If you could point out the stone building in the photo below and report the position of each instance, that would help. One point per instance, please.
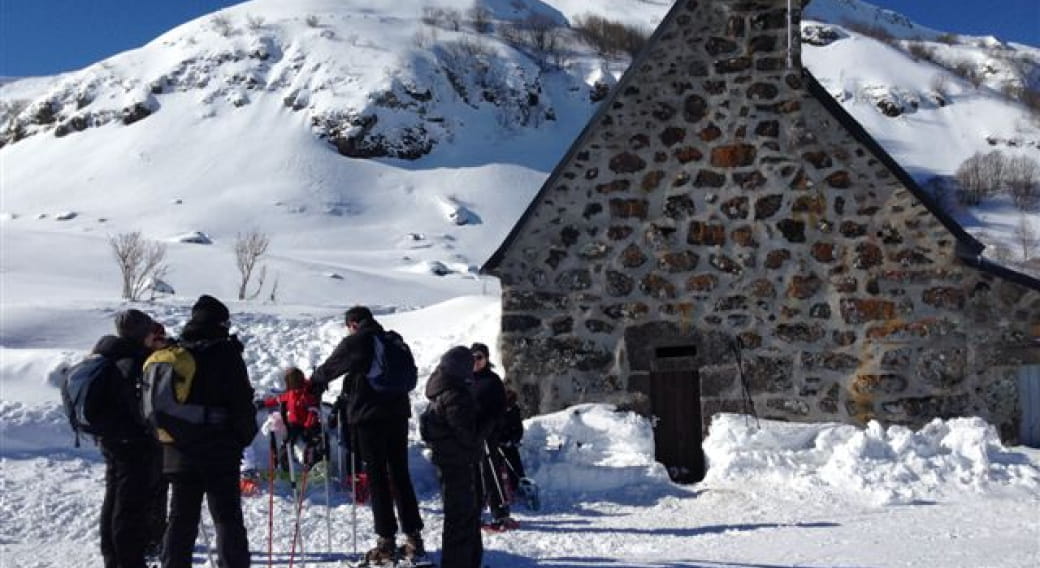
(724, 233)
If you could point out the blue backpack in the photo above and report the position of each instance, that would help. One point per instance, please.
(393, 368)
(86, 394)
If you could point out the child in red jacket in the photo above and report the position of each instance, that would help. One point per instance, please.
(302, 415)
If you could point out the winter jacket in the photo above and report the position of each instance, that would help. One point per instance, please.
(511, 430)
(353, 358)
(449, 423)
(221, 382)
(302, 407)
(491, 403)
(129, 357)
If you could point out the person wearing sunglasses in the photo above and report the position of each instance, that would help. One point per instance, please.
(491, 407)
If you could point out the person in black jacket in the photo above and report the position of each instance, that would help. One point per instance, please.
(208, 465)
(449, 427)
(129, 451)
(491, 407)
(379, 422)
(510, 434)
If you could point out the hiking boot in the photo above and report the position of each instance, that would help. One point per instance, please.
(382, 554)
(413, 550)
(502, 524)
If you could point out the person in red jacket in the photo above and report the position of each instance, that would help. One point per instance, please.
(302, 414)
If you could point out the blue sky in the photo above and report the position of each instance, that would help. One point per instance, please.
(43, 37)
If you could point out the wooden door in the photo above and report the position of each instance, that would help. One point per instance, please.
(676, 406)
(1029, 402)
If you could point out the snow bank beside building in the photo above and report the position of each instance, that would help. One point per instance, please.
(885, 466)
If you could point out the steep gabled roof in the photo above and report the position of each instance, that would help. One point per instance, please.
(968, 248)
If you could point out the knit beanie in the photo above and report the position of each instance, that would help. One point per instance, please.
(457, 362)
(209, 310)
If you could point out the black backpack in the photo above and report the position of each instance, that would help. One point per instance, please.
(393, 368)
(86, 394)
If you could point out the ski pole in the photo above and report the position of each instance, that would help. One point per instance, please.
(270, 500)
(494, 474)
(299, 510)
(353, 492)
(328, 473)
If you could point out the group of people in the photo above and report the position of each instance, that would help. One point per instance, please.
(139, 470)
(469, 425)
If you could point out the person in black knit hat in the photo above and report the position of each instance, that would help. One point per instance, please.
(491, 407)
(208, 465)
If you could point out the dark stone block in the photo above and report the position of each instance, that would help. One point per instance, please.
(943, 369)
(763, 43)
(943, 297)
(804, 286)
(852, 229)
(613, 186)
(577, 279)
(561, 325)
(679, 207)
(657, 286)
(868, 255)
(664, 112)
(823, 252)
(749, 180)
(598, 326)
(769, 374)
(673, 135)
(618, 232)
(708, 178)
(799, 332)
(591, 210)
(702, 283)
(687, 154)
(843, 338)
(629, 311)
(569, 235)
(714, 87)
(733, 156)
(735, 208)
(792, 230)
(871, 385)
(555, 257)
(856, 310)
(652, 180)
(818, 159)
(831, 361)
(776, 258)
(701, 233)
(725, 264)
(730, 303)
(673, 262)
(732, 65)
(619, 284)
(910, 257)
(695, 108)
(767, 206)
(709, 133)
(628, 208)
(762, 91)
(744, 236)
(814, 204)
(840, 180)
(626, 163)
(768, 129)
(820, 311)
(512, 323)
(717, 45)
(632, 256)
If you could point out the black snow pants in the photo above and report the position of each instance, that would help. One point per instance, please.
(223, 494)
(461, 545)
(129, 476)
(383, 446)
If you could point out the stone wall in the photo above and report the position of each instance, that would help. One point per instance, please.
(715, 199)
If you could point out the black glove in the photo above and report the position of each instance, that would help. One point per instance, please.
(259, 404)
(318, 389)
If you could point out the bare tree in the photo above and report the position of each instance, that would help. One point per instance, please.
(973, 182)
(1026, 238)
(481, 18)
(248, 250)
(1022, 178)
(140, 261)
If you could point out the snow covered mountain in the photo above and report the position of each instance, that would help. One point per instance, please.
(408, 135)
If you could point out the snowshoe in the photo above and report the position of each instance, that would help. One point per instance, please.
(527, 491)
(412, 554)
(501, 525)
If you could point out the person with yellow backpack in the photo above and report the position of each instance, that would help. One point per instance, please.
(197, 397)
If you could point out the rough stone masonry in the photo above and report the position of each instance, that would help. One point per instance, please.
(721, 195)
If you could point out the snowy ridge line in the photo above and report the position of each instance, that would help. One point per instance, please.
(886, 466)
